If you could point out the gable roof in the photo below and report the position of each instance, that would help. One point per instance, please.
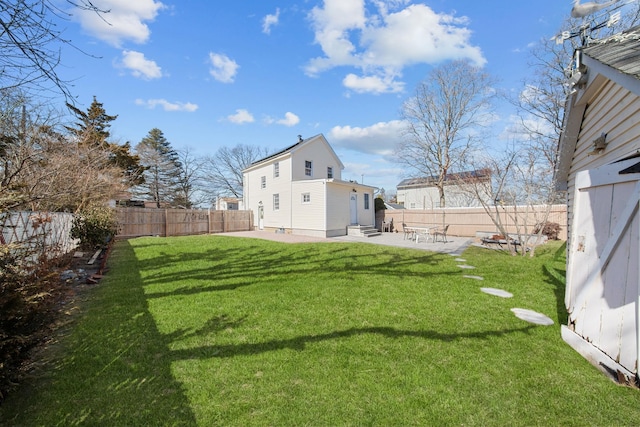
(430, 181)
(620, 51)
(615, 58)
(295, 147)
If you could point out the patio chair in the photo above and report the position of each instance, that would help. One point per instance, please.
(407, 231)
(442, 232)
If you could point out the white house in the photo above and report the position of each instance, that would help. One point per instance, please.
(300, 190)
(422, 193)
(599, 167)
(229, 204)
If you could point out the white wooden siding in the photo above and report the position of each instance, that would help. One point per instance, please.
(622, 129)
(321, 156)
(308, 216)
(602, 273)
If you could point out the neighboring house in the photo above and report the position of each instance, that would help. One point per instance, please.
(393, 206)
(422, 193)
(300, 190)
(599, 167)
(229, 204)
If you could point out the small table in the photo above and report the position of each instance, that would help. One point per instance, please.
(422, 231)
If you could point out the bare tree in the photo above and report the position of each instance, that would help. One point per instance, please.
(444, 119)
(222, 172)
(30, 40)
(541, 104)
(190, 189)
(41, 169)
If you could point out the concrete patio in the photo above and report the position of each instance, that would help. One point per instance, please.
(454, 244)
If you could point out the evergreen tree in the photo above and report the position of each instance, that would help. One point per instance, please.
(92, 130)
(162, 169)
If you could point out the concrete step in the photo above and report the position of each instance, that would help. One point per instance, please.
(362, 231)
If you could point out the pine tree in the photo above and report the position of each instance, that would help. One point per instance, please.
(162, 169)
(92, 130)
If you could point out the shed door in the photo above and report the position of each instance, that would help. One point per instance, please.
(602, 273)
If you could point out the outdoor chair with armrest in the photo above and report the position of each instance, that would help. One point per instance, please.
(407, 231)
(442, 231)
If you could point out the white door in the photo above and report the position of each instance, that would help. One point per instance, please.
(354, 209)
(260, 216)
(602, 274)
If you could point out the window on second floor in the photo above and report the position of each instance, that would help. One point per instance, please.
(263, 182)
(276, 202)
(276, 169)
(308, 168)
(329, 172)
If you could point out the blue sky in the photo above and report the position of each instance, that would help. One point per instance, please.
(212, 73)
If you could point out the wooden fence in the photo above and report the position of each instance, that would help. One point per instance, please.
(136, 222)
(469, 221)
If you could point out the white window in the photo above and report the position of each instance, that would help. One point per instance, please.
(308, 168)
(276, 169)
(366, 200)
(263, 182)
(329, 172)
(306, 197)
(276, 202)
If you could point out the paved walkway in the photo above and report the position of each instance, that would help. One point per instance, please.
(455, 244)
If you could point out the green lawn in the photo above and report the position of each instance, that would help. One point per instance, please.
(216, 330)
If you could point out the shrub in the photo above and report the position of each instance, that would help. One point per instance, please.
(379, 204)
(94, 226)
(28, 295)
(549, 229)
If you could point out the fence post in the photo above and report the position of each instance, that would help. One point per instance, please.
(166, 223)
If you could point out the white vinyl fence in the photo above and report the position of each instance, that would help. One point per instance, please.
(46, 233)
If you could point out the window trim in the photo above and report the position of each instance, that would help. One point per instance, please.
(329, 172)
(308, 197)
(309, 168)
(263, 182)
(276, 201)
(276, 170)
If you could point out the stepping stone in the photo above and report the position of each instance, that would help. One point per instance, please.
(460, 260)
(532, 316)
(468, 267)
(497, 292)
(473, 277)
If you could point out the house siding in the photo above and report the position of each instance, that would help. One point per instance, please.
(254, 193)
(321, 156)
(310, 216)
(337, 218)
(615, 111)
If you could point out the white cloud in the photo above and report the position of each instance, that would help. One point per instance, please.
(380, 138)
(140, 66)
(382, 41)
(372, 84)
(241, 116)
(289, 120)
(166, 105)
(223, 68)
(126, 20)
(269, 21)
